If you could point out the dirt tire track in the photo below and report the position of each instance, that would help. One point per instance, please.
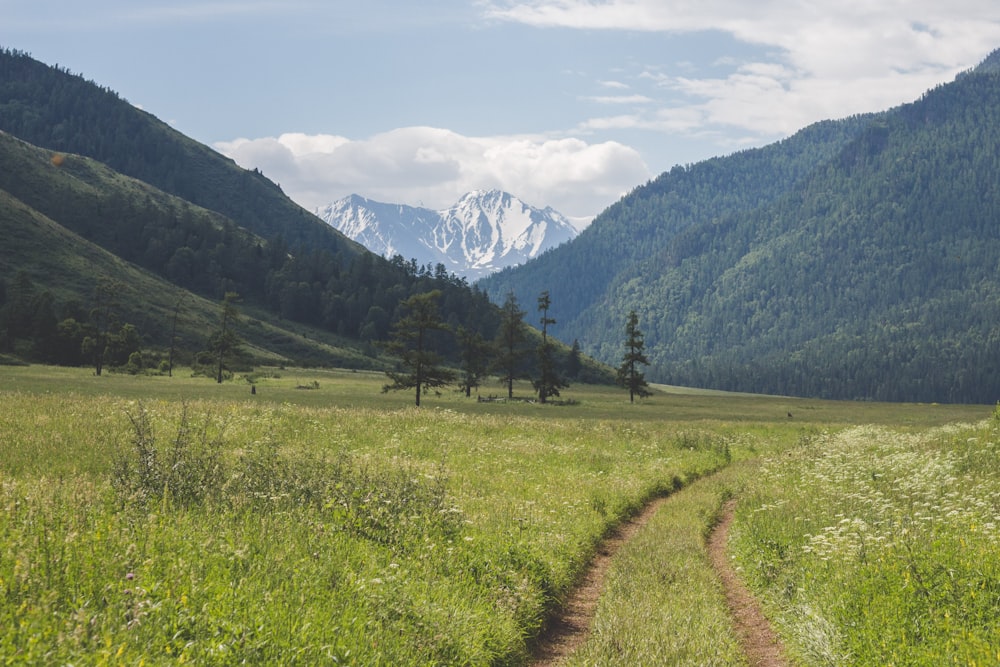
(569, 629)
(760, 643)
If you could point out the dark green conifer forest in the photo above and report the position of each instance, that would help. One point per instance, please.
(856, 259)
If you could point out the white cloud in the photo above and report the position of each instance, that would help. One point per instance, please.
(432, 167)
(823, 59)
(619, 99)
(811, 61)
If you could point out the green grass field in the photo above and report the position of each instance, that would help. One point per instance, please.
(156, 520)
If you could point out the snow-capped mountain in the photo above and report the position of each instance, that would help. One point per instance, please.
(483, 232)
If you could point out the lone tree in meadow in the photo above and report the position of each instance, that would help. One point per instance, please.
(629, 375)
(548, 383)
(173, 334)
(475, 355)
(511, 337)
(103, 319)
(224, 342)
(419, 366)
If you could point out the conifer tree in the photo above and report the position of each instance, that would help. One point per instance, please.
(629, 375)
(103, 317)
(474, 352)
(573, 363)
(510, 343)
(224, 342)
(548, 383)
(419, 366)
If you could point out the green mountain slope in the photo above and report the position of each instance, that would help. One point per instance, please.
(668, 210)
(62, 264)
(184, 214)
(871, 273)
(51, 108)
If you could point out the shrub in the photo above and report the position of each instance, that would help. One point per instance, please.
(189, 472)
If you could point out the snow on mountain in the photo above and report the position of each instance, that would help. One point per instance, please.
(485, 231)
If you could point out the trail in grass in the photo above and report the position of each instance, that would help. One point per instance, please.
(567, 631)
(760, 644)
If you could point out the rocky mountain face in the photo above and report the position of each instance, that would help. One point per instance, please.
(483, 232)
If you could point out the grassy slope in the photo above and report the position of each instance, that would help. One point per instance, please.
(71, 266)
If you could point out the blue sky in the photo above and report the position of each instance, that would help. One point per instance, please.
(564, 103)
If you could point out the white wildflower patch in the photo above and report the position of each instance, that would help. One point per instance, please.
(874, 539)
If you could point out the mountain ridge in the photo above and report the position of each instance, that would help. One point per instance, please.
(856, 259)
(484, 231)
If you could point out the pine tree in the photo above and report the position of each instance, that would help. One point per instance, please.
(420, 367)
(103, 317)
(510, 343)
(224, 342)
(573, 363)
(629, 376)
(474, 353)
(548, 383)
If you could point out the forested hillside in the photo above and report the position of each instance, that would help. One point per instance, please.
(654, 215)
(52, 108)
(857, 259)
(171, 207)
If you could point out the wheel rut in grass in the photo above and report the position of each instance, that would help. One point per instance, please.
(759, 642)
(569, 629)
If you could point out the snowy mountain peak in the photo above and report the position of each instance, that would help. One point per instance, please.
(483, 232)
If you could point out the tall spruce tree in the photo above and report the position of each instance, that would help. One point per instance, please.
(510, 341)
(419, 366)
(103, 317)
(629, 375)
(548, 382)
(474, 352)
(224, 342)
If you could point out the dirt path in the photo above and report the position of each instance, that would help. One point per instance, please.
(567, 631)
(759, 642)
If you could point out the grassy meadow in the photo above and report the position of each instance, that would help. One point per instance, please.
(876, 546)
(157, 520)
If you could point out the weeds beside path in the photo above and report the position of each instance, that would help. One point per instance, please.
(760, 644)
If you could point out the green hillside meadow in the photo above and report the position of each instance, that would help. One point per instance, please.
(159, 520)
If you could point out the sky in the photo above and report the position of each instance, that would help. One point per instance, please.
(563, 103)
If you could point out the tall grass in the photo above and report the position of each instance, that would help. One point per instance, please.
(226, 531)
(876, 546)
(171, 520)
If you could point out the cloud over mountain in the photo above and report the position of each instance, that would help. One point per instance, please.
(435, 166)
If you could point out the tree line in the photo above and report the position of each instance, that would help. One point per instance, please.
(511, 354)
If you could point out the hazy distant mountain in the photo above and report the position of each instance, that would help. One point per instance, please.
(485, 231)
